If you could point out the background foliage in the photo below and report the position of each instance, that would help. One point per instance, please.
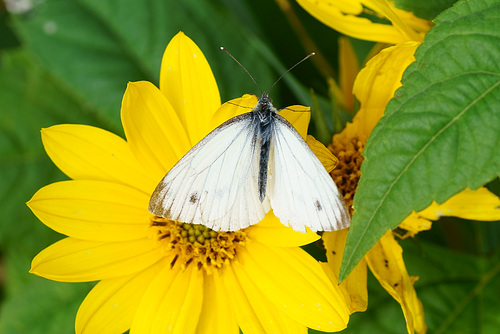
(68, 61)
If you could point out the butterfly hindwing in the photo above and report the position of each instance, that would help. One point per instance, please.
(300, 190)
(215, 183)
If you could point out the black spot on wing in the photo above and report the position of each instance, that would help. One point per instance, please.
(318, 206)
(194, 198)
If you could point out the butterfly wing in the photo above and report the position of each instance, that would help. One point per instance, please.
(301, 191)
(215, 183)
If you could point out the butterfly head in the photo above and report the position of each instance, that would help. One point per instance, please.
(264, 107)
(264, 99)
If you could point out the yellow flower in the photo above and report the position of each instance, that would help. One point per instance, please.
(374, 87)
(158, 275)
(345, 17)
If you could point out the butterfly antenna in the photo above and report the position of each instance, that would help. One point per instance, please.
(243, 67)
(291, 68)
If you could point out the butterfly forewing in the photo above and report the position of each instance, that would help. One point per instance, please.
(300, 190)
(215, 183)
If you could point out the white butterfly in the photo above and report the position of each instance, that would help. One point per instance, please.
(249, 164)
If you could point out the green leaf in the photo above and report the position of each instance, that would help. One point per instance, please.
(8, 39)
(441, 132)
(96, 47)
(77, 46)
(43, 307)
(32, 101)
(425, 9)
(459, 291)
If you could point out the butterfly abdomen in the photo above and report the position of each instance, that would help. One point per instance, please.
(266, 114)
(263, 162)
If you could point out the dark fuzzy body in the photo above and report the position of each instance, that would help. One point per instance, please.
(266, 115)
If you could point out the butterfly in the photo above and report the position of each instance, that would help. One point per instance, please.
(247, 165)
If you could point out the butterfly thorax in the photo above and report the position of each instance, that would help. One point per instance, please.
(266, 113)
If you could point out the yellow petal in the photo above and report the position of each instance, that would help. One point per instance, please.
(413, 224)
(383, 7)
(272, 319)
(354, 287)
(385, 260)
(295, 283)
(342, 16)
(172, 302)
(299, 117)
(480, 204)
(348, 70)
(417, 24)
(111, 305)
(189, 85)
(74, 260)
(271, 232)
(217, 313)
(245, 314)
(93, 210)
(153, 129)
(375, 86)
(87, 153)
(328, 160)
(232, 108)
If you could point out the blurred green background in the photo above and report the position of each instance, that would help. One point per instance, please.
(69, 61)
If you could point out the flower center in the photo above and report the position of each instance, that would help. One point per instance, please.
(197, 244)
(346, 174)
